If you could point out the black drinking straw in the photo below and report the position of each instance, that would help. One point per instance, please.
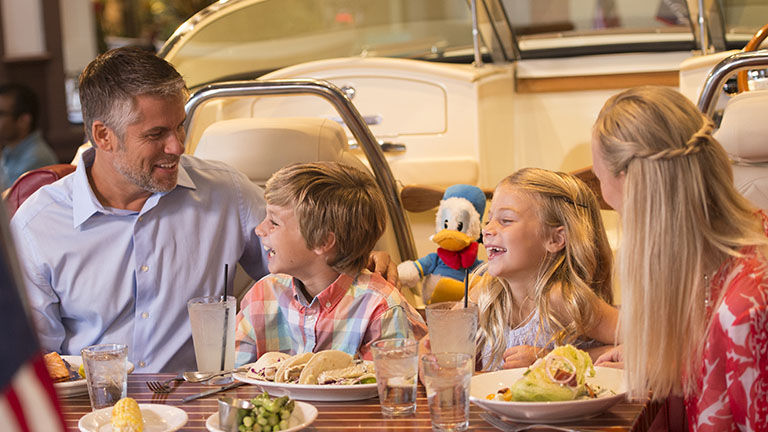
(226, 318)
(466, 287)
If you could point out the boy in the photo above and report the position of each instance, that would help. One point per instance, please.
(322, 222)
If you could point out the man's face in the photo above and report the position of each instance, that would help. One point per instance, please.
(148, 155)
(9, 128)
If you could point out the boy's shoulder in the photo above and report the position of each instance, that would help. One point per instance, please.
(373, 284)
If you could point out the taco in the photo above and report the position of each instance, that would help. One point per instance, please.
(360, 372)
(291, 369)
(323, 361)
(266, 367)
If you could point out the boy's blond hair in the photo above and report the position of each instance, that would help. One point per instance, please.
(582, 269)
(329, 197)
(681, 217)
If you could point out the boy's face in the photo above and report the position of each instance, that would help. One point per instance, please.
(281, 237)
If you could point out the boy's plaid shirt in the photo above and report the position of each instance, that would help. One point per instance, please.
(348, 316)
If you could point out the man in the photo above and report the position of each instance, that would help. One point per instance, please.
(113, 252)
(23, 146)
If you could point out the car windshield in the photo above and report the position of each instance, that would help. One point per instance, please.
(242, 39)
(256, 37)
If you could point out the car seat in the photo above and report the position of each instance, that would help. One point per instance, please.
(743, 133)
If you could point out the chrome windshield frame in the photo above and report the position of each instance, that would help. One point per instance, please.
(352, 119)
(724, 70)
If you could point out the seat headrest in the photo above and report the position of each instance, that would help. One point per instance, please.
(260, 146)
(744, 130)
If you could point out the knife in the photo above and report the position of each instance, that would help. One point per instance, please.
(213, 391)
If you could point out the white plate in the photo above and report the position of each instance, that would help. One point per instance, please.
(313, 392)
(303, 415)
(548, 412)
(75, 388)
(157, 418)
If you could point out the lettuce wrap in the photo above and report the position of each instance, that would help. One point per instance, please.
(559, 376)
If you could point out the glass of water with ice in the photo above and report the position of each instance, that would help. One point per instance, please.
(106, 373)
(452, 327)
(397, 367)
(213, 334)
(447, 377)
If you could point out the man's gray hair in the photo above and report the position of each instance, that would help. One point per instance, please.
(110, 84)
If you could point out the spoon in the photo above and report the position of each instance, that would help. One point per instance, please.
(198, 376)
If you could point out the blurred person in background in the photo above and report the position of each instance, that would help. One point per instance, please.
(22, 143)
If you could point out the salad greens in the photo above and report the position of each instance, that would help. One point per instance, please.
(559, 376)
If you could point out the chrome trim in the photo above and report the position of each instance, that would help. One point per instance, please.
(352, 119)
(475, 35)
(722, 71)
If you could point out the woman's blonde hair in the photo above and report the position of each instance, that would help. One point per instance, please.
(681, 217)
(581, 269)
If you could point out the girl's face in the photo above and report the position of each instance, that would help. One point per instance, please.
(514, 237)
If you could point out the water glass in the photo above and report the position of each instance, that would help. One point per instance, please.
(213, 334)
(452, 327)
(106, 373)
(446, 378)
(397, 367)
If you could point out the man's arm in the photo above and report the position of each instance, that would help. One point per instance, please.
(44, 303)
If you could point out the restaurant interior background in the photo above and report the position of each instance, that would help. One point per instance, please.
(45, 44)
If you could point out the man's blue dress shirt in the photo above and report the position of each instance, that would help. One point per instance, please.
(32, 152)
(102, 275)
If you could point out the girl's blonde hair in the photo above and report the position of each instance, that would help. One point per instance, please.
(681, 217)
(581, 269)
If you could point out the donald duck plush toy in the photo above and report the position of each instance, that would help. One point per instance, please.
(457, 231)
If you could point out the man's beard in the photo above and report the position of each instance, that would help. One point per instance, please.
(140, 178)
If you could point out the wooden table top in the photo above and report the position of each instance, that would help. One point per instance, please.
(343, 416)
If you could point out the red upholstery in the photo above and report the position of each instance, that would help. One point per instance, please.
(31, 181)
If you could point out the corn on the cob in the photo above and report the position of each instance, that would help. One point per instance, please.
(126, 416)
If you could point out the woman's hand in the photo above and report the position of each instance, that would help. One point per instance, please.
(380, 262)
(522, 356)
(613, 358)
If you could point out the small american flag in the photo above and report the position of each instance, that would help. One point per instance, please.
(27, 400)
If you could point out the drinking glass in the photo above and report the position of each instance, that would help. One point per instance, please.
(213, 334)
(446, 378)
(452, 327)
(106, 373)
(397, 367)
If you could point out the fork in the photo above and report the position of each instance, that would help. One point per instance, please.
(163, 387)
(508, 426)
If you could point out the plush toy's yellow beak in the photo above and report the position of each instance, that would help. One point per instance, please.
(451, 240)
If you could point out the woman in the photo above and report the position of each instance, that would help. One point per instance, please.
(692, 264)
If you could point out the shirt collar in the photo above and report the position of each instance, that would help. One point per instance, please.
(84, 201)
(329, 297)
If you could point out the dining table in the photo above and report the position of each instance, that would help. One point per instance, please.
(364, 415)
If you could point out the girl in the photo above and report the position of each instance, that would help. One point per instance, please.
(692, 264)
(548, 276)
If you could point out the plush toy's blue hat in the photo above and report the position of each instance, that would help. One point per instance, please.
(473, 194)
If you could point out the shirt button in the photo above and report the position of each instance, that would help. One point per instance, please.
(327, 304)
(141, 218)
(142, 364)
(145, 315)
(144, 268)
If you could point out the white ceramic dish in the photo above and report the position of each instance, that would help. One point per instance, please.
(303, 415)
(313, 392)
(546, 412)
(157, 418)
(75, 388)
